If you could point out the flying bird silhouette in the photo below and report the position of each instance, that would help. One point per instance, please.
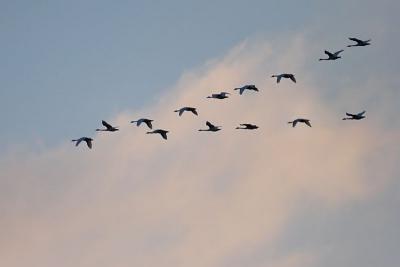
(247, 126)
(284, 75)
(108, 128)
(190, 109)
(358, 116)
(221, 95)
(211, 127)
(144, 120)
(88, 141)
(163, 133)
(359, 42)
(306, 121)
(246, 87)
(332, 56)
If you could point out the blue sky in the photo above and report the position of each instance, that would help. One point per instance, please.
(68, 64)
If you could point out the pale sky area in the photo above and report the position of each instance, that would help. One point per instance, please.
(324, 196)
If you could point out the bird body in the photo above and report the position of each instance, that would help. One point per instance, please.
(211, 128)
(358, 116)
(246, 87)
(108, 128)
(190, 109)
(163, 133)
(144, 120)
(359, 42)
(247, 126)
(221, 95)
(88, 141)
(332, 56)
(284, 75)
(306, 121)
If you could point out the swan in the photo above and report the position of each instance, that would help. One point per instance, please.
(181, 110)
(144, 120)
(108, 128)
(284, 75)
(163, 133)
(211, 127)
(332, 56)
(359, 42)
(88, 141)
(306, 121)
(221, 95)
(358, 116)
(246, 87)
(247, 126)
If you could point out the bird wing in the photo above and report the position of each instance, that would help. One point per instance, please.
(89, 143)
(294, 123)
(241, 90)
(361, 113)
(338, 52)
(355, 40)
(148, 123)
(328, 53)
(181, 111)
(308, 123)
(278, 78)
(292, 78)
(164, 134)
(108, 126)
(209, 124)
(349, 114)
(194, 111)
(78, 141)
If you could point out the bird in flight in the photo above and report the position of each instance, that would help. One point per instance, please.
(332, 56)
(221, 95)
(306, 121)
(246, 87)
(359, 42)
(163, 133)
(144, 120)
(88, 141)
(190, 109)
(358, 116)
(284, 75)
(211, 128)
(108, 128)
(247, 126)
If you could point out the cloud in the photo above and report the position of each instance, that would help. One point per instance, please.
(200, 199)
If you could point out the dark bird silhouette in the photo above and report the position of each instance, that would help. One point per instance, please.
(359, 42)
(247, 126)
(284, 75)
(306, 121)
(246, 87)
(332, 56)
(143, 120)
(181, 110)
(88, 141)
(358, 116)
(211, 128)
(221, 95)
(108, 128)
(163, 133)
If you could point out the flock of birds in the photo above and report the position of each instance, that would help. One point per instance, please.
(223, 95)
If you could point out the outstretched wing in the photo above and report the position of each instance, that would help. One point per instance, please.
(209, 124)
(292, 78)
(361, 113)
(78, 141)
(194, 111)
(338, 52)
(108, 126)
(355, 40)
(349, 114)
(148, 123)
(241, 90)
(308, 123)
(89, 143)
(278, 78)
(181, 111)
(163, 134)
(328, 53)
(294, 123)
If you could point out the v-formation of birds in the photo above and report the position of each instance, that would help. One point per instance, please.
(222, 95)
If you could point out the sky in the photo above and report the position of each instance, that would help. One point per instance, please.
(321, 196)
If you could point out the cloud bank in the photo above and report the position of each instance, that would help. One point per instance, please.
(204, 199)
